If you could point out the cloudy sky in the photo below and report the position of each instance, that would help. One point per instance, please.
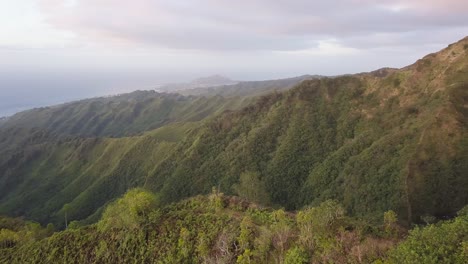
(57, 50)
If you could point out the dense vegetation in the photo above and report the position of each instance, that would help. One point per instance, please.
(122, 115)
(222, 229)
(394, 139)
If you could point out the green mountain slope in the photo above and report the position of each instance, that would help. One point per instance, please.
(86, 171)
(40, 179)
(139, 111)
(390, 139)
(252, 88)
(123, 115)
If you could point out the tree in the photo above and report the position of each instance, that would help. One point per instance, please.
(74, 225)
(246, 235)
(66, 209)
(130, 211)
(8, 238)
(50, 229)
(444, 242)
(282, 230)
(318, 222)
(216, 199)
(390, 219)
(252, 188)
(296, 255)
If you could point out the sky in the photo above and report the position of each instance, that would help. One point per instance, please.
(53, 51)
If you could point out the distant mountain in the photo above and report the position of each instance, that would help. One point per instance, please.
(390, 139)
(210, 81)
(249, 88)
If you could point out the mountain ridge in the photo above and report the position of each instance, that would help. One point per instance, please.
(202, 82)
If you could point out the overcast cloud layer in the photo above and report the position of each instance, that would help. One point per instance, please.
(257, 24)
(68, 49)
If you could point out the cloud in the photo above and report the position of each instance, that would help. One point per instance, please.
(324, 48)
(67, 49)
(23, 26)
(250, 25)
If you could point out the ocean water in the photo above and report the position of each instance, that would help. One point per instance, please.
(27, 91)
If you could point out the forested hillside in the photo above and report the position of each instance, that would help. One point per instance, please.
(122, 115)
(390, 139)
(393, 139)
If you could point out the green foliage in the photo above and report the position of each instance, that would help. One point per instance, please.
(463, 211)
(129, 212)
(15, 232)
(84, 173)
(245, 258)
(444, 242)
(282, 231)
(429, 219)
(296, 255)
(252, 188)
(203, 246)
(390, 219)
(246, 235)
(316, 223)
(183, 245)
(74, 225)
(50, 228)
(193, 231)
(8, 238)
(216, 199)
(122, 115)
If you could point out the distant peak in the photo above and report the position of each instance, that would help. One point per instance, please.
(203, 82)
(212, 79)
